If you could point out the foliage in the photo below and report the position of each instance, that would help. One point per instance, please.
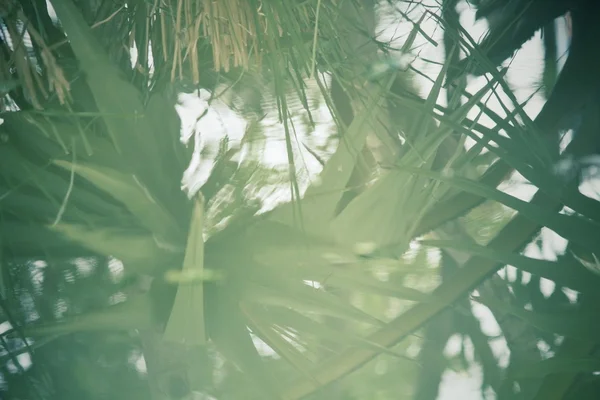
(274, 282)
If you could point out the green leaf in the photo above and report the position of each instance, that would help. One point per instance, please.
(57, 137)
(8, 85)
(552, 366)
(577, 279)
(270, 334)
(518, 230)
(186, 322)
(367, 284)
(134, 195)
(383, 214)
(137, 250)
(556, 385)
(295, 294)
(572, 227)
(137, 136)
(303, 324)
(227, 328)
(276, 245)
(578, 324)
(322, 196)
(134, 313)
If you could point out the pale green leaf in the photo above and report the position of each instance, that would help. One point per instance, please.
(186, 322)
(134, 195)
(134, 313)
(137, 250)
(322, 196)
